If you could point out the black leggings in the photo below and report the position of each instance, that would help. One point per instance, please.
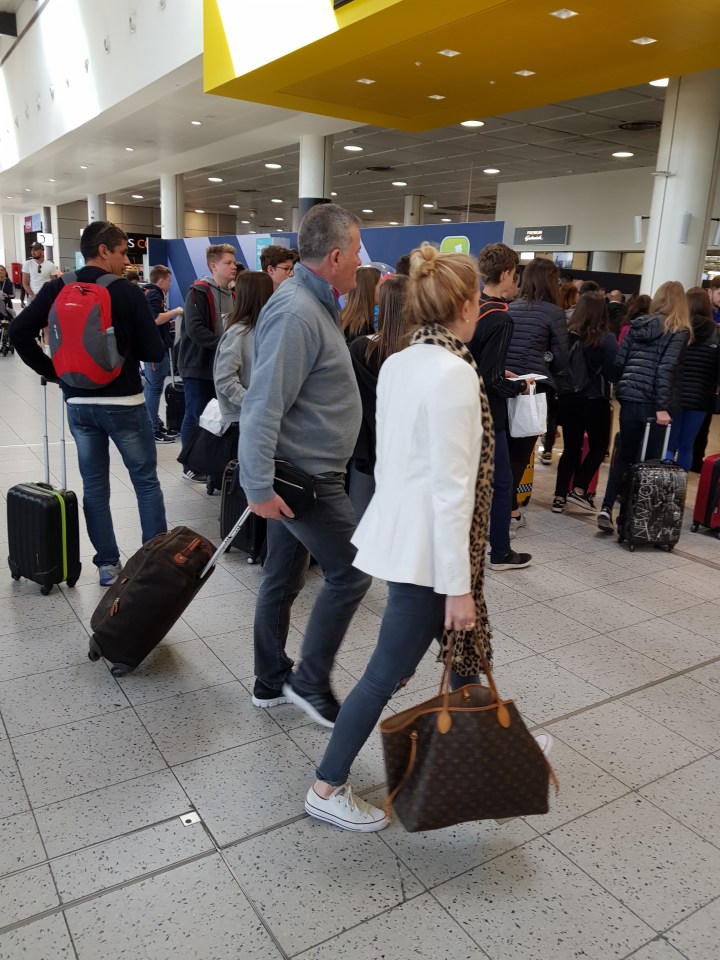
(579, 416)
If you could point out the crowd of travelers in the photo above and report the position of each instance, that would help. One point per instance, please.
(396, 405)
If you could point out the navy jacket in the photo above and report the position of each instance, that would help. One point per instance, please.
(646, 366)
(539, 328)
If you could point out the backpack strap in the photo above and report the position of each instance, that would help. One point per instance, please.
(107, 279)
(207, 289)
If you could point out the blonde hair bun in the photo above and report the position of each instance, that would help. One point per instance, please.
(423, 261)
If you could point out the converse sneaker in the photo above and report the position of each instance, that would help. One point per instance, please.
(605, 521)
(513, 561)
(264, 696)
(323, 708)
(584, 500)
(109, 572)
(343, 809)
(194, 477)
(517, 523)
(558, 504)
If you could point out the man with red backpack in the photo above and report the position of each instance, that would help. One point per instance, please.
(100, 329)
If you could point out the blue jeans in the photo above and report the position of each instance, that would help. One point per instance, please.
(93, 425)
(685, 428)
(198, 393)
(413, 618)
(324, 531)
(361, 490)
(502, 500)
(155, 374)
(633, 420)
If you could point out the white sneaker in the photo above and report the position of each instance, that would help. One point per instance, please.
(343, 809)
(544, 741)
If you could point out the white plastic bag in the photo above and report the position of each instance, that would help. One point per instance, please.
(211, 419)
(527, 414)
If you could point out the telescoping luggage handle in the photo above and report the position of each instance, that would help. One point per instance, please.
(46, 439)
(648, 425)
(227, 542)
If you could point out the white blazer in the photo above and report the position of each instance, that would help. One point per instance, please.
(416, 528)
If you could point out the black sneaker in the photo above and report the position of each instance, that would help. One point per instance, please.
(604, 520)
(194, 477)
(513, 561)
(584, 500)
(161, 436)
(323, 708)
(558, 504)
(264, 696)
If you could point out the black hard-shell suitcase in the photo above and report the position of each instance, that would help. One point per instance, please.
(43, 523)
(156, 586)
(174, 400)
(252, 537)
(653, 500)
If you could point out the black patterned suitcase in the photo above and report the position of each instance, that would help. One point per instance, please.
(44, 523)
(252, 537)
(653, 500)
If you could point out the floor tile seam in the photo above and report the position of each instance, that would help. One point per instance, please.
(97, 894)
(39, 673)
(692, 913)
(628, 792)
(682, 736)
(183, 693)
(49, 861)
(66, 723)
(219, 753)
(70, 936)
(662, 810)
(106, 786)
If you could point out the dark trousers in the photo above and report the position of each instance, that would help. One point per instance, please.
(578, 416)
(502, 500)
(552, 421)
(520, 450)
(198, 394)
(633, 421)
(324, 531)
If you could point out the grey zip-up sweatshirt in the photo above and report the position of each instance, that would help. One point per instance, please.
(231, 370)
(303, 404)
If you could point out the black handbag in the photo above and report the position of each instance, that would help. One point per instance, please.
(296, 487)
(463, 756)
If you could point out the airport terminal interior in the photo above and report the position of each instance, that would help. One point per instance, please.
(160, 815)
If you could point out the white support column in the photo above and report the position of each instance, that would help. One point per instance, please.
(413, 215)
(172, 206)
(96, 207)
(687, 173)
(315, 171)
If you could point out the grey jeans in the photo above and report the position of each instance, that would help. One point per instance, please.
(324, 532)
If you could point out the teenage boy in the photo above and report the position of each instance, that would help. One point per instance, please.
(155, 373)
(278, 263)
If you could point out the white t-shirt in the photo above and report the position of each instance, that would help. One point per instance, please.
(39, 277)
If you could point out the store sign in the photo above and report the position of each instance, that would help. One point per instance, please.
(137, 245)
(535, 235)
(33, 224)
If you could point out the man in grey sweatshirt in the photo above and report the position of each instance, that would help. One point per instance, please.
(303, 406)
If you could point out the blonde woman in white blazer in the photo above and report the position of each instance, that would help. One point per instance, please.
(416, 531)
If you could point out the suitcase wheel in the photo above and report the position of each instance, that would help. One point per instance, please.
(252, 560)
(695, 527)
(120, 669)
(15, 576)
(46, 589)
(71, 583)
(210, 486)
(632, 548)
(93, 655)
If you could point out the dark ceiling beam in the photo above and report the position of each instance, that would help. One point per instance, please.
(8, 24)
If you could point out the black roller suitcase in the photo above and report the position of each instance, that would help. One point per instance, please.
(252, 537)
(43, 523)
(156, 586)
(174, 401)
(653, 500)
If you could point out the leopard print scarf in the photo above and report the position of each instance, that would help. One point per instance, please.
(465, 643)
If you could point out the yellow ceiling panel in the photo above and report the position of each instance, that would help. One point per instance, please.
(396, 44)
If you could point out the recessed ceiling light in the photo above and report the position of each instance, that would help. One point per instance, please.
(365, 80)
(351, 148)
(234, 206)
(273, 166)
(436, 96)
(199, 211)
(643, 41)
(215, 179)
(428, 206)
(491, 170)
(564, 14)
(449, 53)
(8, 198)
(399, 183)
(662, 82)
(244, 221)
(368, 211)
(130, 149)
(622, 154)
(279, 219)
(196, 123)
(276, 200)
(394, 223)
(137, 196)
(524, 73)
(28, 190)
(83, 166)
(252, 231)
(333, 193)
(110, 202)
(445, 220)
(472, 123)
(50, 180)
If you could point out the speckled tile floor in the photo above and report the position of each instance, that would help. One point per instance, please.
(617, 655)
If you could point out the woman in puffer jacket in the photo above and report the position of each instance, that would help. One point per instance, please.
(645, 370)
(539, 331)
(697, 380)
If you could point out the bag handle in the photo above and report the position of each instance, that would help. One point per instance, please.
(444, 721)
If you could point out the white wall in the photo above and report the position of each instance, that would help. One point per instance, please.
(599, 207)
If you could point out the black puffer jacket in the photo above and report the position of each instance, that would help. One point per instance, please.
(539, 327)
(646, 366)
(699, 372)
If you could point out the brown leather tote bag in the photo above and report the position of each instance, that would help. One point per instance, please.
(465, 755)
